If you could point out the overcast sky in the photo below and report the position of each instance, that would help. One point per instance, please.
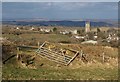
(60, 10)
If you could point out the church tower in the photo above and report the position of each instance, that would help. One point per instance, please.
(87, 27)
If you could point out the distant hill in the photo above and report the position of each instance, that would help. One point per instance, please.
(60, 23)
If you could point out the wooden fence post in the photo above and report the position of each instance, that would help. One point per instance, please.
(17, 53)
(38, 44)
(103, 57)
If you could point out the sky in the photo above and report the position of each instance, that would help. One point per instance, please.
(59, 10)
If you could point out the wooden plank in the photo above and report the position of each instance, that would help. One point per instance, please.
(4, 61)
(17, 52)
(72, 50)
(73, 58)
(41, 46)
(32, 47)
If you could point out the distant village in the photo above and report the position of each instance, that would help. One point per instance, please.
(87, 34)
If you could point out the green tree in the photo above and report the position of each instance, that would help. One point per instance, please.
(98, 30)
(91, 35)
(101, 35)
(38, 29)
(78, 31)
(54, 29)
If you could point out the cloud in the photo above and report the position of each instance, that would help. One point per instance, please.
(72, 5)
(60, 10)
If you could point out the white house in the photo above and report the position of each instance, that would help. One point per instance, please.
(45, 30)
(41, 29)
(89, 42)
(112, 37)
(79, 37)
(95, 37)
(17, 28)
(74, 32)
(64, 32)
(32, 28)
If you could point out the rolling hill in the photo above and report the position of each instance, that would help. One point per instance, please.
(61, 23)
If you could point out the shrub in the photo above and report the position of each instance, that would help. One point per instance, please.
(64, 42)
(54, 29)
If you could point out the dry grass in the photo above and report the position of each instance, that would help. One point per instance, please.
(43, 69)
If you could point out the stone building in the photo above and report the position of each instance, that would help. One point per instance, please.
(87, 27)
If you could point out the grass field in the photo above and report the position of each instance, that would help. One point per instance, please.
(26, 38)
(77, 70)
(11, 72)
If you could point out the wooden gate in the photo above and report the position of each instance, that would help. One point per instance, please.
(55, 56)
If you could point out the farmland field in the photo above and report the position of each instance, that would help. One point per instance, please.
(44, 69)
